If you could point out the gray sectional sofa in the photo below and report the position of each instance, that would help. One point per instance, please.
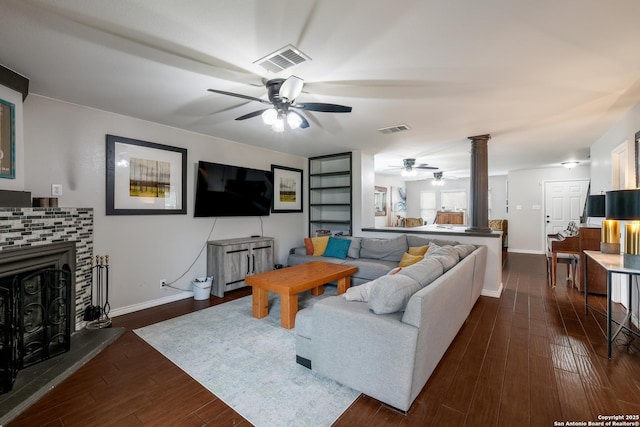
(374, 257)
(386, 336)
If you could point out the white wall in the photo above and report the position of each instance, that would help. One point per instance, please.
(497, 185)
(65, 144)
(526, 190)
(623, 132)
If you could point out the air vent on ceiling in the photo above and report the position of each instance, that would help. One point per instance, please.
(282, 59)
(393, 129)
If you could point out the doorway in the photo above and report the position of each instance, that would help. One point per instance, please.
(564, 202)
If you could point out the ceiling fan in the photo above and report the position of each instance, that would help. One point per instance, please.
(409, 167)
(282, 95)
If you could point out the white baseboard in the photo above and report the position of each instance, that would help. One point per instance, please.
(148, 304)
(492, 294)
(526, 251)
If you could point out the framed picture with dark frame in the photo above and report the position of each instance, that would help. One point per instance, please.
(7, 140)
(145, 178)
(287, 189)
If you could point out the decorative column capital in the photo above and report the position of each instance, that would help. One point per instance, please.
(485, 137)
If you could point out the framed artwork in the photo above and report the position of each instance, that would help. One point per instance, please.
(7, 140)
(287, 189)
(145, 178)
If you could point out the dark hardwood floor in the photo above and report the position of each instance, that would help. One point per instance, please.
(531, 357)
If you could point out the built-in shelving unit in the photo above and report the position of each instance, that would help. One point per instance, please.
(330, 195)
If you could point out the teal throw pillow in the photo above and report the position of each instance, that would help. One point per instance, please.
(337, 248)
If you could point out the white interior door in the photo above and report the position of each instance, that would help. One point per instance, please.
(564, 202)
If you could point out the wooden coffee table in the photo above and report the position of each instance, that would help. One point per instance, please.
(290, 281)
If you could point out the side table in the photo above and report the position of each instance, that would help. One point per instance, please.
(612, 263)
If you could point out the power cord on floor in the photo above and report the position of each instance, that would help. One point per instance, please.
(169, 283)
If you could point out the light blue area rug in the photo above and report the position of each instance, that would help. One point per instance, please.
(251, 363)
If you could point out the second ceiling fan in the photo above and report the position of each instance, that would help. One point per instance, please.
(282, 95)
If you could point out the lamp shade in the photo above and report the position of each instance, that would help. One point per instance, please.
(623, 204)
(595, 206)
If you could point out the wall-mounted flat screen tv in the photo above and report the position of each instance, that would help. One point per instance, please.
(224, 190)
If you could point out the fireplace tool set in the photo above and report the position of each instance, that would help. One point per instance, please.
(98, 315)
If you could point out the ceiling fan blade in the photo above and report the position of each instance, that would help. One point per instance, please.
(321, 107)
(238, 95)
(425, 167)
(251, 115)
(291, 88)
(304, 124)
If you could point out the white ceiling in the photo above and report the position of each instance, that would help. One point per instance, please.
(545, 78)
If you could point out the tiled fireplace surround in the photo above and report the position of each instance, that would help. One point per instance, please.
(23, 227)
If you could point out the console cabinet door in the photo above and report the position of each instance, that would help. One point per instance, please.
(262, 257)
(235, 264)
(230, 261)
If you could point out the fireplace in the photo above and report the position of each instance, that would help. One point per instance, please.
(37, 306)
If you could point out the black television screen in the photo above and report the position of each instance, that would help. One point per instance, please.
(224, 190)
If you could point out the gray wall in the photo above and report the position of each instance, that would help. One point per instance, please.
(65, 144)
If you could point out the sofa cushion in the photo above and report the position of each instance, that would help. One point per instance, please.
(408, 259)
(425, 271)
(319, 245)
(354, 247)
(384, 249)
(337, 248)
(415, 240)
(390, 294)
(464, 250)
(418, 250)
(359, 293)
(447, 256)
(370, 269)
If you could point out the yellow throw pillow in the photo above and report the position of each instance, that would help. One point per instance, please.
(408, 259)
(418, 250)
(319, 245)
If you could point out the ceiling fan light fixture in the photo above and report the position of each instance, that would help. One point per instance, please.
(269, 116)
(293, 120)
(438, 179)
(278, 124)
(408, 172)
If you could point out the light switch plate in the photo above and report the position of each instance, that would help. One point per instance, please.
(56, 189)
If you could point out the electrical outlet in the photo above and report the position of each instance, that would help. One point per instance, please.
(163, 283)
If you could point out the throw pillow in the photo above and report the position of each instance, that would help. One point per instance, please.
(354, 248)
(359, 293)
(319, 245)
(408, 259)
(337, 248)
(425, 271)
(395, 270)
(308, 245)
(390, 294)
(418, 250)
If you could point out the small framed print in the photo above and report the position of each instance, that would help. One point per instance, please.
(287, 189)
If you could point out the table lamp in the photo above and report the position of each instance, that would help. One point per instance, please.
(610, 234)
(625, 205)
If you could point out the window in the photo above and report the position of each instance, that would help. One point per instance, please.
(428, 206)
(454, 200)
